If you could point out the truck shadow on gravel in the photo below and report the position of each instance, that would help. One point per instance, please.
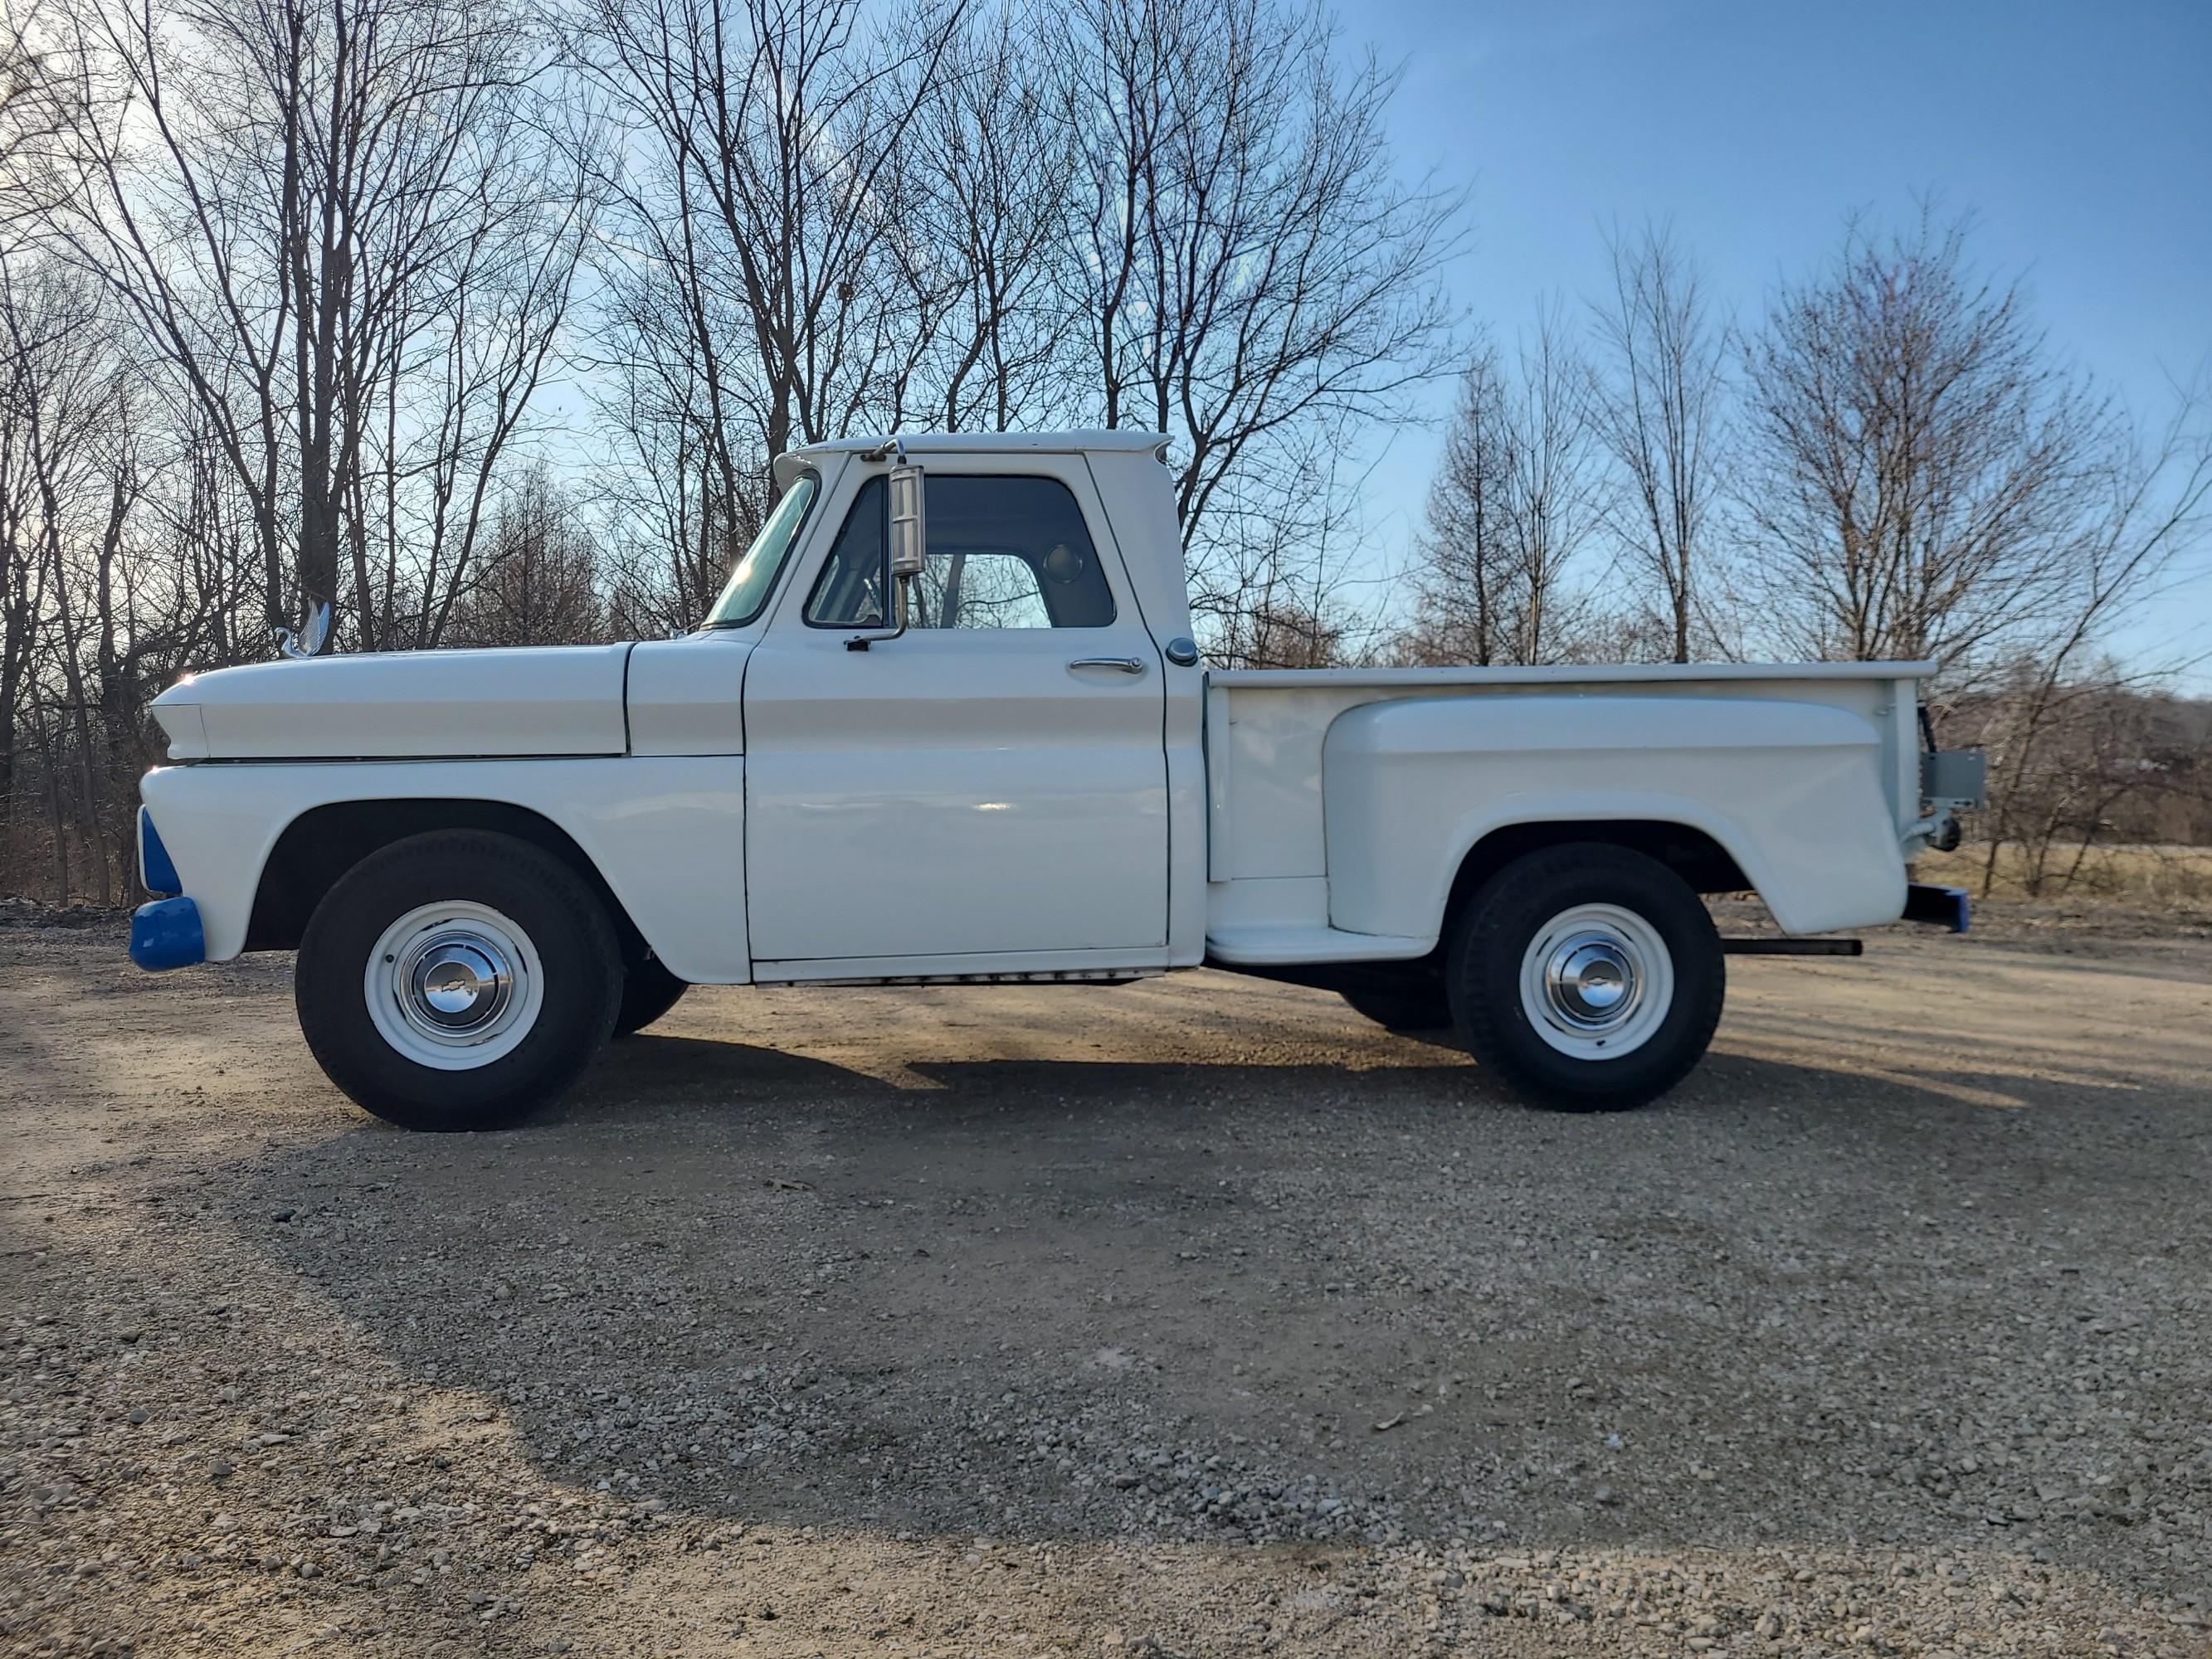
(1240, 1302)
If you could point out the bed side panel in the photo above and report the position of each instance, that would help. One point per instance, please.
(1795, 791)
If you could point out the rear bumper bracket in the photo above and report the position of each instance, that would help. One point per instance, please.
(1942, 907)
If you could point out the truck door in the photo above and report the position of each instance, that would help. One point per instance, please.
(987, 792)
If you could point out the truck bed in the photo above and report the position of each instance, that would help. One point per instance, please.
(1286, 866)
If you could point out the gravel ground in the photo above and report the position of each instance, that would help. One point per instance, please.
(1188, 1318)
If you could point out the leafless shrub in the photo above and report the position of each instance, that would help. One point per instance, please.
(538, 582)
(2108, 794)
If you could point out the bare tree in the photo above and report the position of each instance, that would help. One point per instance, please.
(1659, 408)
(20, 76)
(30, 115)
(1281, 595)
(455, 395)
(28, 342)
(1183, 217)
(672, 529)
(101, 599)
(297, 203)
(984, 183)
(61, 514)
(1253, 278)
(1919, 463)
(2068, 733)
(1927, 482)
(760, 143)
(1513, 511)
(1464, 589)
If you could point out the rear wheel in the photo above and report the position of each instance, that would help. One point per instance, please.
(457, 980)
(1587, 977)
(649, 991)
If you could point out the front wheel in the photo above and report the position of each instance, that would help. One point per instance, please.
(1587, 977)
(457, 980)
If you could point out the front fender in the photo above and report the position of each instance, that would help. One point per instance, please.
(667, 835)
(1792, 791)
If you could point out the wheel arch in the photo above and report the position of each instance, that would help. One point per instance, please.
(1703, 861)
(321, 843)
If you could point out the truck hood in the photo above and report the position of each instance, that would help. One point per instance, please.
(564, 699)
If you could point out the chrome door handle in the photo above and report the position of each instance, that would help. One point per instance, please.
(1127, 665)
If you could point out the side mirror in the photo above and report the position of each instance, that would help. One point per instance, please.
(909, 528)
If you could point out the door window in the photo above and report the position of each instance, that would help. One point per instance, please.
(1004, 553)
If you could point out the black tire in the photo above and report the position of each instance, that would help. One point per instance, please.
(649, 991)
(1502, 925)
(561, 919)
(1412, 1008)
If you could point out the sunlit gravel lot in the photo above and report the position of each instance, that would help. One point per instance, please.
(1194, 1317)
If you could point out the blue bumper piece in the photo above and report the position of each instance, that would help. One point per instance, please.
(166, 933)
(1947, 907)
(155, 868)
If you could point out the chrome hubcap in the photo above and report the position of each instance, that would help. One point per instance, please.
(454, 986)
(1596, 981)
(1591, 980)
(456, 983)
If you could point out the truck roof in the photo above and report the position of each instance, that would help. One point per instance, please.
(959, 443)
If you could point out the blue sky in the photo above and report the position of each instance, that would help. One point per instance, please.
(2079, 136)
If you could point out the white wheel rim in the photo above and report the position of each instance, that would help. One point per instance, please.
(454, 986)
(1596, 981)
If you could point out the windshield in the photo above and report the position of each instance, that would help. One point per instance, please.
(753, 580)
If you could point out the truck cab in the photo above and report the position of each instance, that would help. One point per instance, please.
(947, 723)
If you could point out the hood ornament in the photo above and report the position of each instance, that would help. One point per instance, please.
(310, 642)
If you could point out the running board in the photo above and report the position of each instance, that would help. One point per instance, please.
(1793, 947)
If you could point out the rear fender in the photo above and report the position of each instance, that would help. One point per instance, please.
(1791, 791)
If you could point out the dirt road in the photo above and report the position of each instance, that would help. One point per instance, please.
(1191, 1317)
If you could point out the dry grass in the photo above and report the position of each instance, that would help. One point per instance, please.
(2148, 875)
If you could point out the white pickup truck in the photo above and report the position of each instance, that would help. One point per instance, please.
(946, 724)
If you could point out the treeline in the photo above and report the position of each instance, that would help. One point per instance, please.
(480, 319)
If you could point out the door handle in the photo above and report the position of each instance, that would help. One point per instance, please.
(1126, 665)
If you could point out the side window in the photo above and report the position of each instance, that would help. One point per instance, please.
(1004, 552)
(849, 592)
